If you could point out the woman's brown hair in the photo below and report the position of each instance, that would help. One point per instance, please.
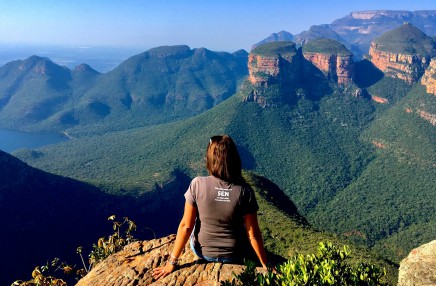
(222, 159)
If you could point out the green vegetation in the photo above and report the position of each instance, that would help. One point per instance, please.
(158, 86)
(352, 166)
(326, 46)
(286, 234)
(396, 188)
(44, 275)
(320, 153)
(112, 244)
(274, 49)
(407, 39)
(329, 266)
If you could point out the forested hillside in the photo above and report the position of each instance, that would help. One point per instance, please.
(351, 144)
(56, 215)
(160, 85)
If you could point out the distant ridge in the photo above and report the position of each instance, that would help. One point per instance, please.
(275, 37)
(158, 86)
(359, 28)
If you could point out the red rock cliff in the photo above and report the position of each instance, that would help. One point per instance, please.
(429, 77)
(403, 53)
(403, 66)
(273, 64)
(334, 66)
(264, 69)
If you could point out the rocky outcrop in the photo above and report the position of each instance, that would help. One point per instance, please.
(273, 64)
(278, 72)
(336, 67)
(134, 266)
(379, 99)
(419, 267)
(403, 53)
(332, 58)
(430, 117)
(406, 67)
(429, 77)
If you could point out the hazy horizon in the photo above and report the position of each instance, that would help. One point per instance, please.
(219, 26)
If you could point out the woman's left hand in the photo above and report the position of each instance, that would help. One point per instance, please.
(163, 271)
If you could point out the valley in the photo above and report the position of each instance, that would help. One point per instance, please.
(350, 143)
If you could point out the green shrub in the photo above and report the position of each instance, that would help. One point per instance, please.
(328, 266)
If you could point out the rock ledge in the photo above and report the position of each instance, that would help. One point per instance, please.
(134, 266)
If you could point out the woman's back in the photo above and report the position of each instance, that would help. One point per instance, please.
(219, 229)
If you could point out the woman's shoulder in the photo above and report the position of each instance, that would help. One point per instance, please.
(200, 180)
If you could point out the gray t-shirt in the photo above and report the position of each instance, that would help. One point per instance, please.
(219, 228)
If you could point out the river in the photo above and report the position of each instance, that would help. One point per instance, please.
(11, 140)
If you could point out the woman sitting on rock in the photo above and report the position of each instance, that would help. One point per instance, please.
(220, 216)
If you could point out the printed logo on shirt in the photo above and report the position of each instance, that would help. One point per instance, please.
(223, 195)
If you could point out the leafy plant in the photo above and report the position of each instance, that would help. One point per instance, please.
(328, 266)
(113, 243)
(43, 275)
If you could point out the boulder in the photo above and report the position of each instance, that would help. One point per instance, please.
(419, 267)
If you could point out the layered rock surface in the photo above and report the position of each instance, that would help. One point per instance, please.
(419, 267)
(332, 58)
(273, 62)
(278, 69)
(134, 266)
(429, 77)
(403, 53)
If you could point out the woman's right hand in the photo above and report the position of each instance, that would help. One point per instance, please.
(163, 271)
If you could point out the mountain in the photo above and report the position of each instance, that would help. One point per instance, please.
(279, 73)
(404, 52)
(275, 37)
(360, 28)
(340, 152)
(157, 86)
(332, 58)
(319, 31)
(357, 30)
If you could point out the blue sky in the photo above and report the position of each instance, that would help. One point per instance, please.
(226, 25)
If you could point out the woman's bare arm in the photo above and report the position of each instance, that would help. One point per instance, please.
(183, 233)
(255, 236)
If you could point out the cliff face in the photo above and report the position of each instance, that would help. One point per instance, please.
(332, 58)
(134, 266)
(334, 66)
(277, 69)
(274, 69)
(429, 77)
(406, 67)
(403, 53)
(265, 69)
